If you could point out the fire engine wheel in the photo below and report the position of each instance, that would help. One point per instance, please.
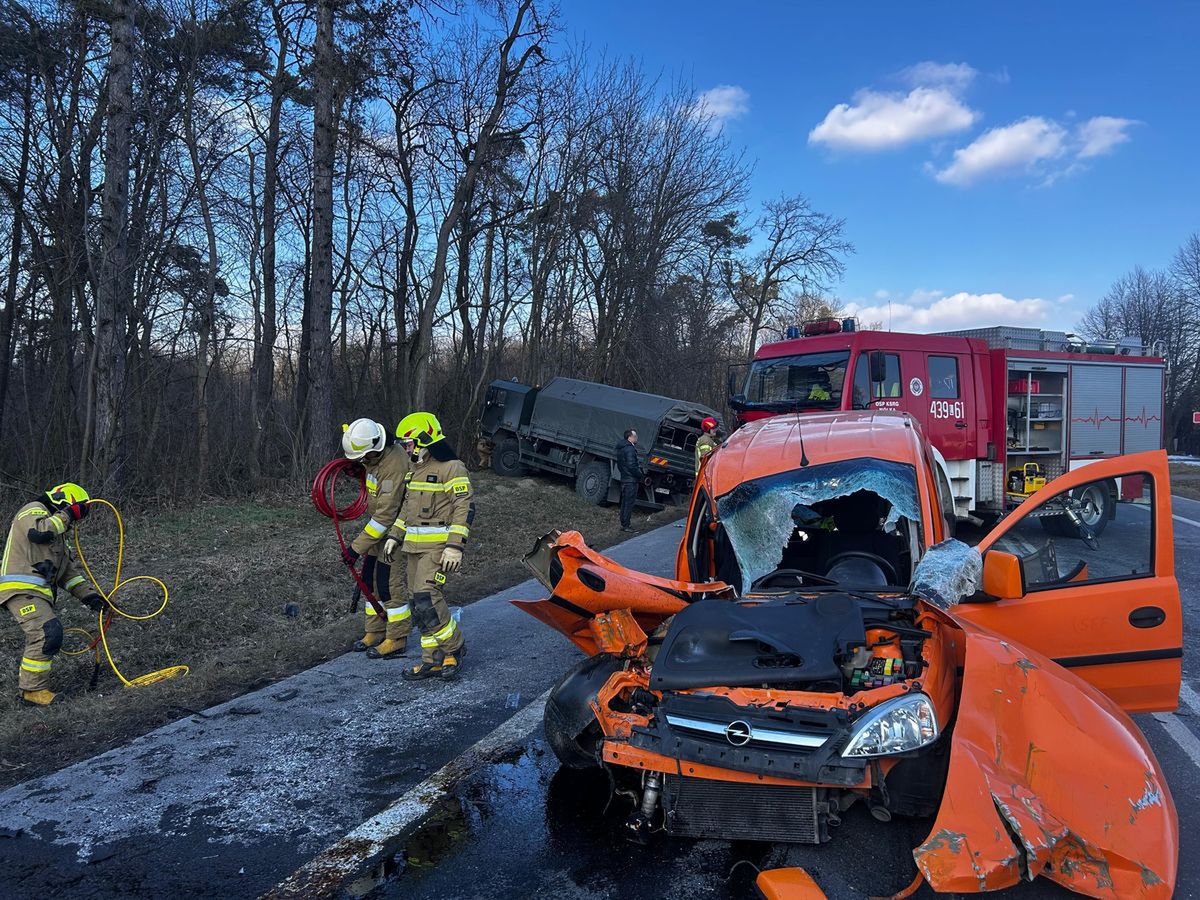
(1095, 509)
(591, 481)
(506, 458)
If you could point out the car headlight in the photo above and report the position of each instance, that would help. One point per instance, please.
(897, 726)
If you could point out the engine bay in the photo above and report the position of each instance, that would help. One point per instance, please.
(829, 642)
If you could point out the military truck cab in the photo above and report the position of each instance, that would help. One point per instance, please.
(572, 428)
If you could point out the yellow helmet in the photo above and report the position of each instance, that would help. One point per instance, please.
(420, 427)
(66, 494)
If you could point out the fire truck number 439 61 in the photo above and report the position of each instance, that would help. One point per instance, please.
(947, 409)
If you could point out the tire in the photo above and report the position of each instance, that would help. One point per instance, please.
(570, 725)
(506, 458)
(591, 481)
(1096, 500)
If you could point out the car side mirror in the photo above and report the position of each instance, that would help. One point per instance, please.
(1003, 575)
(878, 367)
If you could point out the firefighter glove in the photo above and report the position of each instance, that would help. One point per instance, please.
(94, 602)
(389, 548)
(349, 556)
(451, 559)
(77, 511)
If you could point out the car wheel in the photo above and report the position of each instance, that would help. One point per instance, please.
(568, 721)
(506, 458)
(1095, 509)
(591, 481)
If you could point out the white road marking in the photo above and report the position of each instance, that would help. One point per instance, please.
(1182, 736)
(1178, 518)
(323, 875)
(1190, 698)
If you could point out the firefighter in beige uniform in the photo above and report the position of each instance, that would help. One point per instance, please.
(365, 440)
(36, 563)
(434, 523)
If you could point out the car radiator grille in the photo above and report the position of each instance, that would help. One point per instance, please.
(699, 807)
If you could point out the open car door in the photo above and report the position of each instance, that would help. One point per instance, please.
(1084, 572)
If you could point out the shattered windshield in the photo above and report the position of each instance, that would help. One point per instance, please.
(950, 571)
(818, 518)
(815, 379)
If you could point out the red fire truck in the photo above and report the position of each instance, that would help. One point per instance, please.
(1006, 408)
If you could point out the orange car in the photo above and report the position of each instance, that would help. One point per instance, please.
(827, 642)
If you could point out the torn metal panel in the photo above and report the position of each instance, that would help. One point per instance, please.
(1047, 777)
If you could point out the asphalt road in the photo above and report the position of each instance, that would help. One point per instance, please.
(231, 803)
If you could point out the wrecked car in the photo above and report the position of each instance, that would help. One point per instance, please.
(826, 642)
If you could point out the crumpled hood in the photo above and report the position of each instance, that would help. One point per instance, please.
(1047, 777)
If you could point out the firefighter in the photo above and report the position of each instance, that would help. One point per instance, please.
(365, 440)
(434, 523)
(483, 448)
(36, 563)
(707, 442)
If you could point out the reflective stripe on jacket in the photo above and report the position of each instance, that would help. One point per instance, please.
(29, 567)
(437, 508)
(385, 493)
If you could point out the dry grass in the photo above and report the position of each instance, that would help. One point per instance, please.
(231, 568)
(1185, 480)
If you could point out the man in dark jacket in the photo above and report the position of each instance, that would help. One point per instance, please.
(631, 474)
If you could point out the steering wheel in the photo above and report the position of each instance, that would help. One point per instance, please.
(799, 574)
(889, 571)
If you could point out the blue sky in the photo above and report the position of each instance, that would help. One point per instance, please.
(998, 164)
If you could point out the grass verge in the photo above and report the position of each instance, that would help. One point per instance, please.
(231, 568)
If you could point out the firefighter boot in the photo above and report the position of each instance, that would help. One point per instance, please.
(450, 663)
(38, 698)
(425, 669)
(389, 649)
(368, 641)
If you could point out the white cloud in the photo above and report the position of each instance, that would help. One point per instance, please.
(1100, 134)
(1020, 147)
(925, 311)
(878, 121)
(722, 104)
(955, 76)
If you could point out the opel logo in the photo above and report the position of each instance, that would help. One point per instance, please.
(738, 733)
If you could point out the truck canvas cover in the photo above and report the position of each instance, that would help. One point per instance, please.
(566, 406)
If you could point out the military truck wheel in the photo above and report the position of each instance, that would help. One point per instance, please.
(506, 458)
(591, 481)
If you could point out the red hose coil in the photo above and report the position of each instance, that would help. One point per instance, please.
(324, 499)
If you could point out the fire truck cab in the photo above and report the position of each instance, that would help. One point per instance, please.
(1005, 407)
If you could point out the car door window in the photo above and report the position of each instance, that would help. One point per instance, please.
(700, 543)
(1097, 532)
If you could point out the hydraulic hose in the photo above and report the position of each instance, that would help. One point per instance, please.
(105, 616)
(324, 499)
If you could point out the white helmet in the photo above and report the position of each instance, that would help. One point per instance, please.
(363, 436)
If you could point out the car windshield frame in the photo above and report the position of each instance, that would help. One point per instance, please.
(834, 362)
(760, 513)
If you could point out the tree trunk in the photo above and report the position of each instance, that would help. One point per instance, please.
(319, 399)
(9, 315)
(112, 306)
(262, 381)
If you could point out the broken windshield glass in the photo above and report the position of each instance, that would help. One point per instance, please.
(949, 572)
(762, 518)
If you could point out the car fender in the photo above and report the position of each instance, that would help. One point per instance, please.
(1047, 777)
(586, 585)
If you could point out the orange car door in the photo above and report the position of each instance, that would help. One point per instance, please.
(1098, 569)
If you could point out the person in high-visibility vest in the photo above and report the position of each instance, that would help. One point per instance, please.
(365, 440)
(433, 527)
(36, 564)
(707, 442)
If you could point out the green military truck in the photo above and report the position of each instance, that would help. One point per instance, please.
(572, 428)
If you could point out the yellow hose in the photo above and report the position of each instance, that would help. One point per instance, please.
(141, 680)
